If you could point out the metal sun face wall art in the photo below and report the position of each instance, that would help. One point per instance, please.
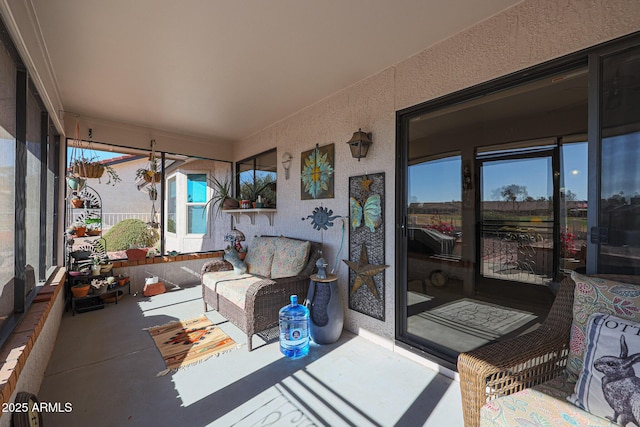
(322, 218)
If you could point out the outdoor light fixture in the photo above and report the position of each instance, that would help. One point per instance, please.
(359, 144)
(286, 164)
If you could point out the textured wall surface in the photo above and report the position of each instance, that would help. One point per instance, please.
(33, 371)
(527, 34)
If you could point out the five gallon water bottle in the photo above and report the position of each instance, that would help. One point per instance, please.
(294, 329)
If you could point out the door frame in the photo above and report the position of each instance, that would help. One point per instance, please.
(550, 150)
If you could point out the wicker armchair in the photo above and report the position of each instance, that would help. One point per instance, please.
(510, 366)
(264, 299)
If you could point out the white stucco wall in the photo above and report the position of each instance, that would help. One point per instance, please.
(531, 32)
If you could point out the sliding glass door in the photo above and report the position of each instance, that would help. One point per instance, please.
(506, 188)
(618, 234)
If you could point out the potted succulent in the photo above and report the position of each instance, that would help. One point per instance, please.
(99, 287)
(222, 198)
(95, 265)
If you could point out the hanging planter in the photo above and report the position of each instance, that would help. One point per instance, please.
(149, 175)
(88, 169)
(86, 165)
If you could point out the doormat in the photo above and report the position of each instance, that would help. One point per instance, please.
(187, 342)
(479, 318)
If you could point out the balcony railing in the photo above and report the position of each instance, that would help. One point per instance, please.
(517, 250)
(111, 219)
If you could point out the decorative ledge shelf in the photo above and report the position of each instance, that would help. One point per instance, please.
(251, 213)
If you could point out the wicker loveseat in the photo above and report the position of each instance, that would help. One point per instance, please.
(533, 366)
(251, 301)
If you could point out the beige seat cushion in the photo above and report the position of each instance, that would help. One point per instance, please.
(290, 257)
(231, 285)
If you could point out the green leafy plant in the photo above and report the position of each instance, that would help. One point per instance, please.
(130, 233)
(221, 192)
(251, 189)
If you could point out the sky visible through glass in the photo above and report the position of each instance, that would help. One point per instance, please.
(441, 180)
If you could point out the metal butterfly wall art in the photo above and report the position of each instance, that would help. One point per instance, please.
(369, 212)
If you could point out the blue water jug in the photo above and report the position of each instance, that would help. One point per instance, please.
(294, 329)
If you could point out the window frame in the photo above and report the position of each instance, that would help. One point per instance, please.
(254, 161)
(188, 204)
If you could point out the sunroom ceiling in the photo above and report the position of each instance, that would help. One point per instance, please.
(226, 69)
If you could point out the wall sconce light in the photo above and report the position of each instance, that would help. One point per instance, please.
(286, 164)
(359, 144)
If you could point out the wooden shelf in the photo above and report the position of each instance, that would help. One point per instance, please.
(251, 213)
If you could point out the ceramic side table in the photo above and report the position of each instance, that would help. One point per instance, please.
(326, 313)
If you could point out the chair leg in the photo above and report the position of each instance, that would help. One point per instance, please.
(249, 343)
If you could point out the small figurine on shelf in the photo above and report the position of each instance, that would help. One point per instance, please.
(322, 268)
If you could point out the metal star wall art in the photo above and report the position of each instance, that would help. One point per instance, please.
(365, 272)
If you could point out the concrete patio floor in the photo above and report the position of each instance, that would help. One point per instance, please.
(105, 364)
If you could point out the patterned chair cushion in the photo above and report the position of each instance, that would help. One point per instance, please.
(532, 407)
(613, 348)
(260, 256)
(290, 257)
(595, 295)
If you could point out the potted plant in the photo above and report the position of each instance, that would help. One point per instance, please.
(83, 167)
(221, 198)
(99, 287)
(150, 172)
(76, 183)
(79, 228)
(105, 265)
(149, 175)
(80, 290)
(95, 265)
(256, 188)
(76, 201)
(136, 254)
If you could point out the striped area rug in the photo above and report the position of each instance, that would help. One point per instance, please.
(187, 342)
